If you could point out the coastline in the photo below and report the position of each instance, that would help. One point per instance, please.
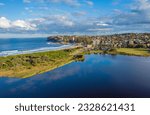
(28, 65)
(44, 49)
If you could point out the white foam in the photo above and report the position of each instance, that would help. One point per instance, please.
(16, 52)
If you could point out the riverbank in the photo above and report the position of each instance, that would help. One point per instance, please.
(144, 52)
(134, 51)
(27, 65)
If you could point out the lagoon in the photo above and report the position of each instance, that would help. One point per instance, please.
(98, 76)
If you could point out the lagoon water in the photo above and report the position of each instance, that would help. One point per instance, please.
(97, 76)
(12, 46)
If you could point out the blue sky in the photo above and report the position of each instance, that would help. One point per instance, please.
(91, 17)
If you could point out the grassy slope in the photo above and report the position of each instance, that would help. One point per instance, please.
(28, 65)
(134, 51)
(124, 51)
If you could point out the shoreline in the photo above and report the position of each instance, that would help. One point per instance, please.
(28, 65)
(139, 52)
(44, 49)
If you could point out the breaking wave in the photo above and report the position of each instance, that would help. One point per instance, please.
(16, 52)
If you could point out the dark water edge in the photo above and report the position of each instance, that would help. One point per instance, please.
(99, 76)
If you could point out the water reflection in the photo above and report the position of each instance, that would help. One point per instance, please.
(96, 76)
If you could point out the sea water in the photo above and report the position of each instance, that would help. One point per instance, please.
(13, 46)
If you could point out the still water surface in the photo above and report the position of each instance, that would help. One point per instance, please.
(98, 76)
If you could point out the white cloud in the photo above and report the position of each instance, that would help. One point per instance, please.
(100, 29)
(4, 23)
(68, 2)
(143, 4)
(90, 3)
(57, 20)
(64, 21)
(37, 20)
(102, 24)
(133, 18)
(18, 24)
(139, 14)
(24, 25)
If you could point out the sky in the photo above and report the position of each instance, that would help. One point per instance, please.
(73, 17)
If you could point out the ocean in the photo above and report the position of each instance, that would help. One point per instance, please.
(13, 46)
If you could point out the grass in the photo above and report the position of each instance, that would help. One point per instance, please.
(92, 52)
(27, 65)
(134, 51)
(122, 51)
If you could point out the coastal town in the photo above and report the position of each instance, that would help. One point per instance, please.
(105, 42)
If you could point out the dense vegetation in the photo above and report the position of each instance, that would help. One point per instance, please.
(27, 65)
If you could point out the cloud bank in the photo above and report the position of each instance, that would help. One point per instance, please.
(79, 17)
